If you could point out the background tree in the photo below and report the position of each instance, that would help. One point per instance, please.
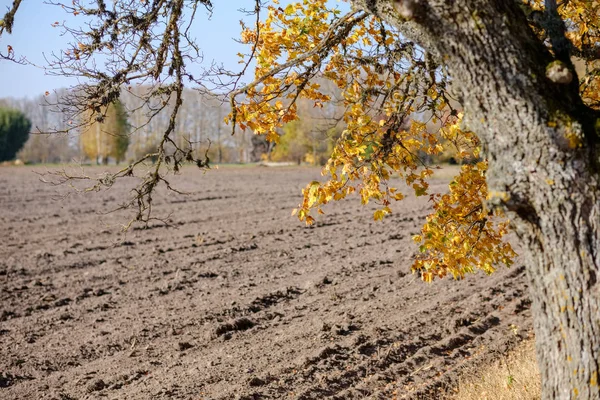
(309, 139)
(293, 145)
(57, 149)
(120, 127)
(312, 136)
(14, 132)
(261, 148)
(108, 136)
(41, 148)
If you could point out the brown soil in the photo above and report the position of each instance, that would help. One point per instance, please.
(236, 300)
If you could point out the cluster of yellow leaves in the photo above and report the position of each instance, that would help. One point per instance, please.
(585, 16)
(375, 144)
(286, 35)
(583, 22)
(388, 90)
(582, 19)
(461, 235)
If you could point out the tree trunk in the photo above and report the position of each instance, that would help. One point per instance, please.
(563, 264)
(542, 147)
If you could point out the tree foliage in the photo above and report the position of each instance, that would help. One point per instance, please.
(14, 132)
(386, 83)
(121, 131)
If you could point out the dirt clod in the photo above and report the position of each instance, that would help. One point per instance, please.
(96, 385)
(65, 317)
(184, 346)
(256, 381)
(239, 324)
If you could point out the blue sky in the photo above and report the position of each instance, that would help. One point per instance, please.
(33, 37)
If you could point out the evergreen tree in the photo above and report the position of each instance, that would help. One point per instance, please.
(14, 132)
(121, 131)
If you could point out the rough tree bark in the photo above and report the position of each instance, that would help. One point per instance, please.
(542, 144)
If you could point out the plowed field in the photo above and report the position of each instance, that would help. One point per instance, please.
(235, 299)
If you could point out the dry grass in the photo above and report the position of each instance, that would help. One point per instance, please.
(515, 377)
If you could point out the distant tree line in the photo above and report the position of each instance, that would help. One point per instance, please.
(123, 132)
